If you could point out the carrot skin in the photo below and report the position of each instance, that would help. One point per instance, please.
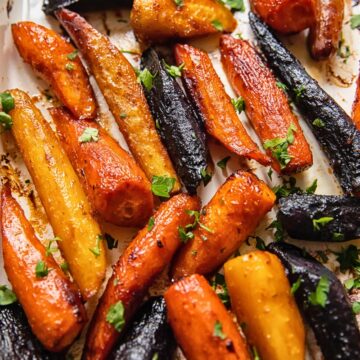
(208, 93)
(52, 303)
(356, 106)
(194, 312)
(240, 203)
(117, 188)
(266, 105)
(47, 53)
(142, 261)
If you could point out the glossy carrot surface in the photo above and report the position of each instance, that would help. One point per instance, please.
(52, 303)
(266, 105)
(117, 188)
(144, 259)
(201, 324)
(225, 222)
(207, 91)
(56, 60)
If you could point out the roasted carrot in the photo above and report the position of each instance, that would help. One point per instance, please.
(201, 324)
(266, 105)
(146, 256)
(117, 81)
(56, 60)
(117, 188)
(324, 35)
(161, 20)
(51, 302)
(356, 106)
(261, 298)
(207, 91)
(61, 194)
(285, 16)
(225, 222)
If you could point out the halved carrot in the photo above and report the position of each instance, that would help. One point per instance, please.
(146, 256)
(56, 60)
(285, 16)
(356, 105)
(118, 82)
(51, 302)
(207, 91)
(266, 105)
(225, 222)
(117, 188)
(201, 324)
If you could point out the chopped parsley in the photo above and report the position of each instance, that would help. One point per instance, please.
(69, 66)
(255, 353)
(217, 25)
(49, 249)
(319, 297)
(185, 234)
(111, 242)
(206, 176)
(279, 146)
(319, 223)
(172, 70)
(218, 331)
(295, 286)
(222, 163)
(312, 188)
(115, 316)
(279, 231)
(41, 269)
(90, 134)
(123, 116)
(281, 86)
(7, 102)
(151, 223)
(356, 307)
(318, 123)
(355, 21)
(353, 283)
(336, 236)
(146, 78)
(5, 120)
(219, 286)
(96, 249)
(289, 187)
(269, 173)
(348, 259)
(179, 3)
(7, 297)
(343, 51)
(162, 186)
(239, 104)
(156, 355)
(73, 55)
(64, 266)
(235, 4)
(299, 91)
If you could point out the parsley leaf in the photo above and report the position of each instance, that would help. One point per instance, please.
(312, 188)
(49, 249)
(5, 120)
(319, 297)
(73, 55)
(7, 297)
(146, 78)
(151, 223)
(336, 236)
(348, 258)
(185, 235)
(355, 21)
(115, 316)
(218, 332)
(172, 70)
(222, 163)
(255, 353)
(299, 91)
(206, 176)
(7, 101)
(289, 187)
(269, 173)
(111, 242)
(235, 4)
(162, 186)
(64, 266)
(318, 223)
(96, 250)
(41, 269)
(179, 3)
(217, 25)
(219, 286)
(69, 66)
(318, 123)
(352, 283)
(356, 307)
(279, 231)
(295, 286)
(239, 104)
(281, 86)
(89, 134)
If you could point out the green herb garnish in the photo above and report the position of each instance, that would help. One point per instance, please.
(206, 176)
(90, 134)
(73, 55)
(318, 123)
(319, 223)
(115, 316)
(222, 163)
(355, 21)
(319, 297)
(239, 104)
(96, 249)
(41, 269)
(218, 332)
(151, 223)
(162, 186)
(146, 78)
(7, 297)
(295, 286)
(7, 102)
(217, 25)
(172, 70)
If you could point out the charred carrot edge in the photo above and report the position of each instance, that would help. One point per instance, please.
(324, 35)
(146, 256)
(201, 324)
(240, 203)
(51, 302)
(356, 106)
(207, 91)
(118, 82)
(61, 194)
(57, 62)
(266, 106)
(285, 16)
(161, 20)
(117, 188)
